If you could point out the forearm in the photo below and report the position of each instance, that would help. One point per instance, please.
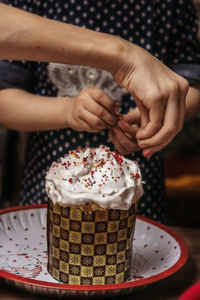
(22, 111)
(192, 102)
(27, 36)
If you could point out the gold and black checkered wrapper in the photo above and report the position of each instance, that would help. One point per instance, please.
(89, 248)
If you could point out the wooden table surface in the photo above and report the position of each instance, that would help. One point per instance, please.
(167, 289)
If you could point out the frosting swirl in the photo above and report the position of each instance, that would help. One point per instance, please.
(94, 175)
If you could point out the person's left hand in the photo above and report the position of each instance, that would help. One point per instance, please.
(123, 135)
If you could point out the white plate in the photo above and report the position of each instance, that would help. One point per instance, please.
(157, 253)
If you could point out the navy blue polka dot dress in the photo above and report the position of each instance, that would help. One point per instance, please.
(165, 28)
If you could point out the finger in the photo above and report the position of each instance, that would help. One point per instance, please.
(144, 113)
(133, 116)
(104, 100)
(117, 145)
(100, 111)
(129, 130)
(93, 122)
(114, 140)
(84, 126)
(156, 116)
(169, 129)
(147, 152)
(123, 143)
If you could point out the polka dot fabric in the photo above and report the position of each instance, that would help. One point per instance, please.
(165, 28)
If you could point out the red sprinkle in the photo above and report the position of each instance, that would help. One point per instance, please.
(70, 180)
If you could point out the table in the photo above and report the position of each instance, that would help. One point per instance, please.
(167, 289)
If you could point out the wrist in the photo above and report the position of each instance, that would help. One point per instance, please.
(56, 113)
(112, 52)
(128, 58)
(64, 111)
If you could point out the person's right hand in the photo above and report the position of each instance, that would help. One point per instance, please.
(158, 92)
(92, 110)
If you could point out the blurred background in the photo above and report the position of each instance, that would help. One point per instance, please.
(182, 165)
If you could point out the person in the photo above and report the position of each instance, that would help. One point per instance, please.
(22, 38)
(149, 29)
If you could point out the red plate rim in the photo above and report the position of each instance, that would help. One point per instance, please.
(116, 286)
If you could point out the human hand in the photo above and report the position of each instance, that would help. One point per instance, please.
(159, 94)
(123, 136)
(92, 110)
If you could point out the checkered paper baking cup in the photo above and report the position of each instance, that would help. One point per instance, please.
(89, 248)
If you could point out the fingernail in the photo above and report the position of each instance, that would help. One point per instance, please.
(142, 145)
(119, 122)
(116, 110)
(146, 153)
(124, 120)
(138, 135)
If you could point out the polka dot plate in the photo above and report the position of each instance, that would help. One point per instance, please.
(157, 253)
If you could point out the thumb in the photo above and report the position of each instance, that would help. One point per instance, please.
(144, 114)
(133, 116)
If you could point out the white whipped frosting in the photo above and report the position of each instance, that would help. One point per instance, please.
(95, 175)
